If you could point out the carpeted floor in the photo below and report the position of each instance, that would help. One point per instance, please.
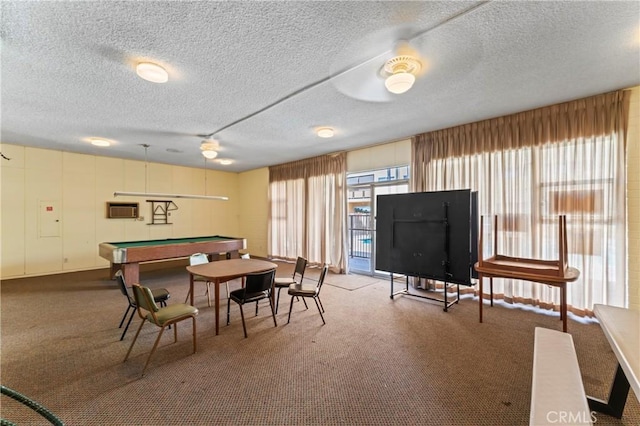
(377, 361)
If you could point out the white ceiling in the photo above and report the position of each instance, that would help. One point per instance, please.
(263, 75)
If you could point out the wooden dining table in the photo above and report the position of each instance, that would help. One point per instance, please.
(221, 271)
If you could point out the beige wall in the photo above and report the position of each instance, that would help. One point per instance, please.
(254, 209)
(41, 186)
(633, 199)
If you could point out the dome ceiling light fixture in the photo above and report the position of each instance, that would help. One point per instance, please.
(401, 73)
(209, 148)
(152, 72)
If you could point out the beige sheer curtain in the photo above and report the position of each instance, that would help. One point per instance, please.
(530, 167)
(308, 211)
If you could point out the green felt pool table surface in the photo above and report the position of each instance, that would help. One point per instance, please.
(127, 255)
(126, 244)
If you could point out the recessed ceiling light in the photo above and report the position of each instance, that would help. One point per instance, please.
(325, 132)
(100, 142)
(152, 72)
(225, 161)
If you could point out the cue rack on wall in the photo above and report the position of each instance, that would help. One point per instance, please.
(160, 211)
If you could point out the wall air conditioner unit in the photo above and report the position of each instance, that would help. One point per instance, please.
(122, 210)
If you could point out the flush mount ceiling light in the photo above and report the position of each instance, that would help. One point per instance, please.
(152, 72)
(401, 71)
(325, 132)
(209, 148)
(100, 142)
(225, 161)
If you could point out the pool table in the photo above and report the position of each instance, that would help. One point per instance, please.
(128, 255)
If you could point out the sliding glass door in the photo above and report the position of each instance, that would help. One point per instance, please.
(363, 189)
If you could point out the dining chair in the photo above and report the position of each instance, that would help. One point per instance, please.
(199, 259)
(257, 287)
(309, 290)
(296, 278)
(160, 317)
(160, 296)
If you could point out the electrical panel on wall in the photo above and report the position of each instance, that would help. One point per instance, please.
(49, 219)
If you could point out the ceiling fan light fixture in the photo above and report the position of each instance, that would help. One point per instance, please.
(400, 82)
(325, 132)
(152, 72)
(209, 147)
(401, 71)
(209, 154)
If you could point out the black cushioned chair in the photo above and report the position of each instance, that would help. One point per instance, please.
(257, 287)
(161, 317)
(296, 278)
(160, 296)
(309, 290)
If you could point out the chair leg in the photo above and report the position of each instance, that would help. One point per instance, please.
(208, 294)
(155, 345)
(128, 323)
(228, 310)
(305, 302)
(273, 312)
(244, 327)
(186, 299)
(278, 299)
(319, 310)
(125, 315)
(193, 320)
(134, 339)
(318, 297)
(256, 308)
(164, 305)
(290, 308)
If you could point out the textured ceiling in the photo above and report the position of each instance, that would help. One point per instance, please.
(262, 76)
